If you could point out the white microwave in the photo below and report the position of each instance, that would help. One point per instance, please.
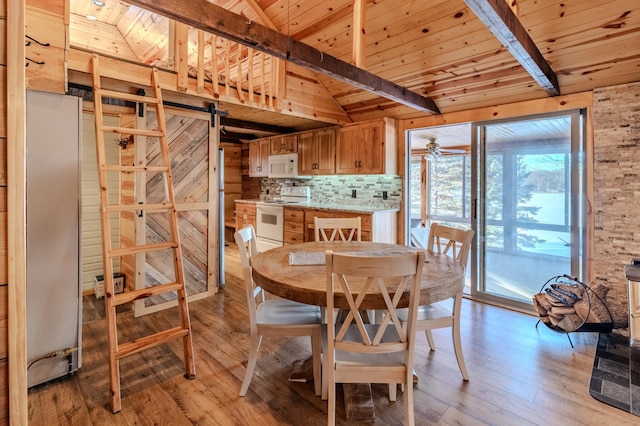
(283, 166)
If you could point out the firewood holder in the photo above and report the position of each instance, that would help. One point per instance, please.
(590, 327)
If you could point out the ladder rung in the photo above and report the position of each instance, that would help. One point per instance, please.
(130, 296)
(128, 131)
(147, 342)
(127, 96)
(117, 168)
(142, 249)
(138, 207)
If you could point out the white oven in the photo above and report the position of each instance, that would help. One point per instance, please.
(269, 226)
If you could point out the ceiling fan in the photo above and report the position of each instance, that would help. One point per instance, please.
(433, 150)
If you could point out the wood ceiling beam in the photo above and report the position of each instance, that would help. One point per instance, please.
(217, 20)
(251, 125)
(229, 136)
(503, 23)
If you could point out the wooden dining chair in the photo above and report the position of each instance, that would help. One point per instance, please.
(275, 317)
(340, 228)
(456, 243)
(355, 352)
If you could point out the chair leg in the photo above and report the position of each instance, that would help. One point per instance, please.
(432, 344)
(251, 364)
(331, 411)
(408, 399)
(393, 391)
(316, 347)
(457, 346)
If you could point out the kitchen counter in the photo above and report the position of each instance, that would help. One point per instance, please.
(331, 206)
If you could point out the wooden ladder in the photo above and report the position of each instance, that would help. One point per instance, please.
(112, 300)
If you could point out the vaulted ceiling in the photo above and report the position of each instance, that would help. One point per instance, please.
(438, 49)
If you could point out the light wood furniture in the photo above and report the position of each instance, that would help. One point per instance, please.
(356, 352)
(442, 278)
(258, 157)
(245, 214)
(367, 148)
(456, 242)
(317, 152)
(284, 144)
(274, 317)
(119, 350)
(377, 226)
(337, 228)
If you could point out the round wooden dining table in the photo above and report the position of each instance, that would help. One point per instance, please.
(442, 276)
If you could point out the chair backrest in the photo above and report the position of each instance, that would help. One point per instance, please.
(392, 276)
(246, 241)
(342, 228)
(445, 239)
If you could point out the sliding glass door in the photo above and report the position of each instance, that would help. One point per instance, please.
(529, 205)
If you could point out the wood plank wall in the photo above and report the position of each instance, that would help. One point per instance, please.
(4, 386)
(232, 179)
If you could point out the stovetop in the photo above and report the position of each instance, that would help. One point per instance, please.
(291, 195)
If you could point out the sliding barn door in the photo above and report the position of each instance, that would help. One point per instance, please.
(191, 143)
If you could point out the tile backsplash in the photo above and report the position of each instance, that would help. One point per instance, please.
(338, 189)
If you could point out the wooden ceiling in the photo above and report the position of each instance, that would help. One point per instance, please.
(436, 48)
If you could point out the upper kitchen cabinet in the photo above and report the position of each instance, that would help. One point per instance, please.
(367, 147)
(317, 152)
(284, 144)
(259, 157)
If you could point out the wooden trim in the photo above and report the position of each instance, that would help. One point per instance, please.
(517, 109)
(590, 189)
(16, 214)
(217, 20)
(182, 56)
(504, 24)
(213, 208)
(359, 18)
(200, 76)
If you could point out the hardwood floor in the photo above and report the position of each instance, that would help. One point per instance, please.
(519, 374)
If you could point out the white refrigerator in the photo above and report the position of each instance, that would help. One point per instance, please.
(54, 293)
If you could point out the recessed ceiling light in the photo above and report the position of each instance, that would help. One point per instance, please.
(98, 3)
(91, 17)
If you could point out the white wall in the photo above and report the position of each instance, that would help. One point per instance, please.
(92, 264)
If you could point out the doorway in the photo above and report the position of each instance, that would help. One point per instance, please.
(528, 186)
(520, 185)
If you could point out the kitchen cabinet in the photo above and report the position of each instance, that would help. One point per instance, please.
(367, 148)
(284, 144)
(259, 151)
(378, 227)
(317, 152)
(245, 214)
(293, 225)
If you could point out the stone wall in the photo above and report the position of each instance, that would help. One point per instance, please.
(616, 112)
